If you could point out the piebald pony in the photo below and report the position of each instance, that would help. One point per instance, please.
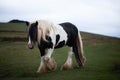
(50, 36)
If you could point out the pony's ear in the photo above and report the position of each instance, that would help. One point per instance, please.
(36, 23)
(27, 23)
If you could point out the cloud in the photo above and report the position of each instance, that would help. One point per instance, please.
(89, 15)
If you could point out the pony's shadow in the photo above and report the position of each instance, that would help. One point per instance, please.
(27, 74)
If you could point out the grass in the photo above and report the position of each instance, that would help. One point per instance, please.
(17, 62)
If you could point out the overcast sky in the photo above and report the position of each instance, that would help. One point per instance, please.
(96, 16)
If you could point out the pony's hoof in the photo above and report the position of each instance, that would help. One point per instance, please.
(83, 61)
(51, 64)
(66, 67)
(43, 69)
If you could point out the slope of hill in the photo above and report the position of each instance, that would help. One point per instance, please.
(17, 32)
(17, 62)
(90, 38)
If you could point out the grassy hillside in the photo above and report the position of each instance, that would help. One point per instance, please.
(17, 62)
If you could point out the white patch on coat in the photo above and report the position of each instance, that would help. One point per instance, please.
(61, 32)
(41, 64)
(48, 55)
(29, 41)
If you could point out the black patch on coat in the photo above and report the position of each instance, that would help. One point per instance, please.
(57, 38)
(61, 44)
(72, 33)
(42, 50)
(46, 44)
(33, 32)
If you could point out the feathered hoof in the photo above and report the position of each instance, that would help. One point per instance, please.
(67, 67)
(43, 69)
(47, 66)
(51, 64)
(81, 63)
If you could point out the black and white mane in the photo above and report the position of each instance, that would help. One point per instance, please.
(49, 37)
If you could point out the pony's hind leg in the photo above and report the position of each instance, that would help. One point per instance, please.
(68, 64)
(78, 55)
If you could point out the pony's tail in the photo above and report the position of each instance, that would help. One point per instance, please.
(81, 58)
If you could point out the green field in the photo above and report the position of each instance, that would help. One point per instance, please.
(17, 62)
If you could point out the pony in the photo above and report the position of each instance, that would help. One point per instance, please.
(50, 36)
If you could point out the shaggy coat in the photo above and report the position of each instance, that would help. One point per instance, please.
(49, 37)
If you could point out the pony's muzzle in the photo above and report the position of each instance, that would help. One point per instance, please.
(31, 45)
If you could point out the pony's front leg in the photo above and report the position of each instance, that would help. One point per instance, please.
(50, 62)
(43, 67)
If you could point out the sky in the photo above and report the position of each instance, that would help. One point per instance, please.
(95, 16)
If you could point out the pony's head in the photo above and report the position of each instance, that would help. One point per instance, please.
(32, 33)
(38, 31)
